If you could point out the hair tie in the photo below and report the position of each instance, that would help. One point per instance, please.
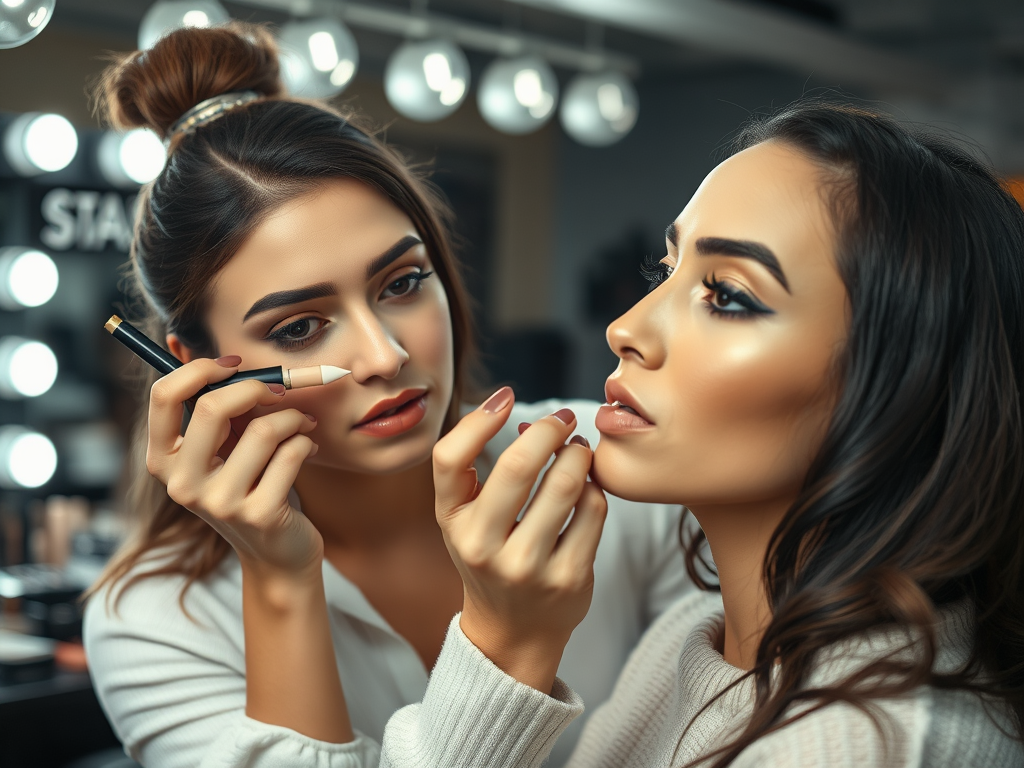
(206, 111)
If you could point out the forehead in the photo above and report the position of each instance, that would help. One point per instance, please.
(329, 234)
(769, 193)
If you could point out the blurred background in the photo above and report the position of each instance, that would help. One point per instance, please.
(564, 133)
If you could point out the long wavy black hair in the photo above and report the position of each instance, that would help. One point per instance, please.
(914, 500)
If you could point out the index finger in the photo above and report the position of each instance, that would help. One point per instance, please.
(454, 454)
(170, 392)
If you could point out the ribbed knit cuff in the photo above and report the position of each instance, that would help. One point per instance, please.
(473, 714)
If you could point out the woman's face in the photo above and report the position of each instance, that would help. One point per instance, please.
(340, 277)
(727, 364)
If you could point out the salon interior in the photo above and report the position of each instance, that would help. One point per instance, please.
(564, 135)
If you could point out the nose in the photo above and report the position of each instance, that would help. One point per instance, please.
(635, 336)
(371, 349)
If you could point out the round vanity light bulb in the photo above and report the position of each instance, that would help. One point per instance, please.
(132, 158)
(427, 81)
(27, 368)
(28, 459)
(28, 278)
(167, 15)
(518, 95)
(37, 143)
(22, 20)
(319, 57)
(598, 110)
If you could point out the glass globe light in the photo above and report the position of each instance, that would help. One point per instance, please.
(167, 15)
(21, 20)
(132, 158)
(28, 278)
(40, 143)
(27, 458)
(518, 95)
(319, 57)
(598, 110)
(428, 80)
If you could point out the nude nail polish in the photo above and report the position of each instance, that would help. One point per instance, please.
(580, 440)
(565, 416)
(228, 361)
(277, 389)
(311, 417)
(498, 400)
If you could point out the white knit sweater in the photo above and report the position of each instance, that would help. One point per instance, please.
(475, 716)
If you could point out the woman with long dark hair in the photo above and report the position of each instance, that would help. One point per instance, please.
(286, 586)
(828, 374)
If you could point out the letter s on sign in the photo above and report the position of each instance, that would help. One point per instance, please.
(57, 209)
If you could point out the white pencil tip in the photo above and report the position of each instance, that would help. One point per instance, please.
(332, 373)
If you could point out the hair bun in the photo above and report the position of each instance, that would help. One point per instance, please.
(156, 87)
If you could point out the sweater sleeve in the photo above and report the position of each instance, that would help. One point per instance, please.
(473, 714)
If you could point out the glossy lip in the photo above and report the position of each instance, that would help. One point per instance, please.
(403, 398)
(614, 392)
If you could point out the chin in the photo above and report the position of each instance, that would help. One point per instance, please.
(625, 474)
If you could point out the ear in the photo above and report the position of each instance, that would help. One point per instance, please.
(178, 349)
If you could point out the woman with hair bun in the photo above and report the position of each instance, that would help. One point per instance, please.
(286, 588)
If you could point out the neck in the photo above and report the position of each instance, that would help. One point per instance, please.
(738, 537)
(366, 512)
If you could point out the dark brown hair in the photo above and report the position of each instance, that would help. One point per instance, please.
(914, 500)
(220, 182)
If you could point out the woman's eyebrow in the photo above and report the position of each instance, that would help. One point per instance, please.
(744, 249)
(391, 254)
(293, 296)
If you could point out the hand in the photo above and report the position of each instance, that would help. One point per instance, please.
(527, 584)
(239, 488)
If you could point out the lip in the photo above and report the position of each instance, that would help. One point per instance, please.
(395, 416)
(612, 419)
(397, 401)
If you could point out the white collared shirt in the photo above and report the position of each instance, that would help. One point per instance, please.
(172, 688)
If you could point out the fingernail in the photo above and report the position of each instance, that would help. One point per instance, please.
(498, 400)
(277, 389)
(228, 361)
(580, 440)
(565, 416)
(311, 417)
(523, 426)
(316, 449)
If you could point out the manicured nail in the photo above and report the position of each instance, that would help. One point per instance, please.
(523, 426)
(580, 440)
(316, 449)
(311, 417)
(228, 361)
(498, 400)
(565, 416)
(277, 389)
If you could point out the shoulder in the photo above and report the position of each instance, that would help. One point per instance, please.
(160, 607)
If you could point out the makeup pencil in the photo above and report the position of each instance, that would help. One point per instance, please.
(165, 362)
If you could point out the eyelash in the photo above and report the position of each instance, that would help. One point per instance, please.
(658, 272)
(279, 338)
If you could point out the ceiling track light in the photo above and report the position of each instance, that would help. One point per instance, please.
(599, 109)
(427, 80)
(36, 143)
(518, 95)
(168, 15)
(319, 57)
(22, 20)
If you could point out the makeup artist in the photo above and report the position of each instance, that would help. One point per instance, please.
(286, 586)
